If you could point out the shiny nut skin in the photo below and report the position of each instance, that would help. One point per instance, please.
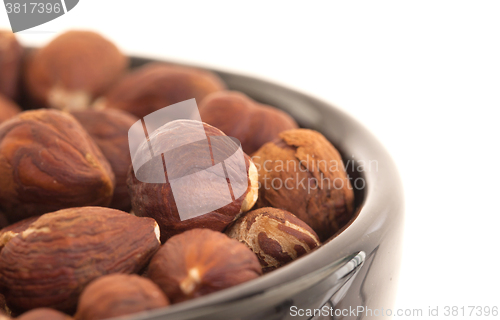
(252, 123)
(276, 236)
(109, 129)
(11, 56)
(119, 295)
(201, 261)
(156, 200)
(303, 173)
(49, 162)
(155, 86)
(43, 314)
(72, 70)
(51, 262)
(8, 109)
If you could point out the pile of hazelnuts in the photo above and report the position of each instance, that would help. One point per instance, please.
(84, 239)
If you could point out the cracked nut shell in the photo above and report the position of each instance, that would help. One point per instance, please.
(155, 86)
(44, 314)
(72, 70)
(8, 109)
(109, 129)
(118, 295)
(252, 123)
(276, 236)
(201, 261)
(11, 56)
(51, 262)
(156, 200)
(49, 162)
(303, 173)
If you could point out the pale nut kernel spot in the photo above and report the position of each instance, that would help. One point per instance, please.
(5, 237)
(63, 99)
(253, 193)
(193, 279)
(90, 159)
(31, 230)
(99, 104)
(157, 231)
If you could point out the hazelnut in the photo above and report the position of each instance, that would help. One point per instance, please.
(276, 236)
(72, 70)
(155, 86)
(156, 200)
(44, 314)
(11, 55)
(8, 109)
(109, 129)
(201, 261)
(49, 162)
(51, 262)
(252, 123)
(304, 174)
(118, 295)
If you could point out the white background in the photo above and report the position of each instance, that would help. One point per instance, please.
(423, 76)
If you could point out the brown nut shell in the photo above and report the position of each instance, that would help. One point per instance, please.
(49, 162)
(51, 262)
(303, 173)
(8, 109)
(156, 200)
(276, 236)
(252, 123)
(201, 261)
(44, 314)
(72, 70)
(155, 86)
(11, 56)
(119, 295)
(109, 129)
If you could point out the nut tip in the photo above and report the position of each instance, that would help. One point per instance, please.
(253, 193)
(157, 231)
(62, 99)
(188, 285)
